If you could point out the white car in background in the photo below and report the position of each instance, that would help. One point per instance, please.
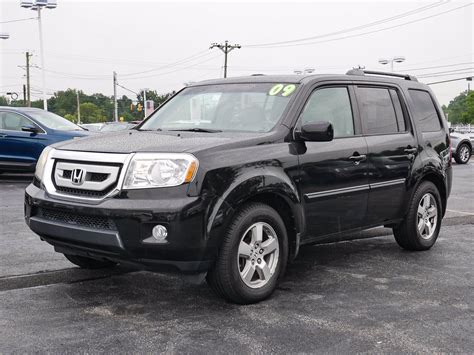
(461, 147)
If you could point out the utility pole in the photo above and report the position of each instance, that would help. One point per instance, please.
(115, 98)
(144, 103)
(28, 89)
(226, 48)
(24, 94)
(78, 108)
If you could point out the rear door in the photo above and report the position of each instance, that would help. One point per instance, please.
(333, 175)
(19, 150)
(392, 148)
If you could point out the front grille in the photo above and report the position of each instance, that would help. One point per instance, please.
(83, 193)
(95, 222)
(98, 177)
(85, 179)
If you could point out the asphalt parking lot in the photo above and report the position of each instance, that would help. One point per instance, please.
(364, 295)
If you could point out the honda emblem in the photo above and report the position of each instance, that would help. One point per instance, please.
(77, 176)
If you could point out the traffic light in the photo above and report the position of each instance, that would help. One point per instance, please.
(131, 107)
(139, 107)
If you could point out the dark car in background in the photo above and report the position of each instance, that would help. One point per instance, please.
(26, 131)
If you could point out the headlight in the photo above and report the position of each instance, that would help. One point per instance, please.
(42, 162)
(147, 170)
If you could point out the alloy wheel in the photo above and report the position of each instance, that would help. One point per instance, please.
(427, 216)
(258, 255)
(464, 153)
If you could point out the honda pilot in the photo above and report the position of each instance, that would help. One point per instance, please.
(230, 178)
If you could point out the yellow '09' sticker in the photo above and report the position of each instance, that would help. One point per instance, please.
(281, 89)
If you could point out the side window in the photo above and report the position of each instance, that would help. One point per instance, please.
(13, 121)
(377, 110)
(332, 105)
(425, 111)
(398, 110)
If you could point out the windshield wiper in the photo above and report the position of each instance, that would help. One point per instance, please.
(196, 129)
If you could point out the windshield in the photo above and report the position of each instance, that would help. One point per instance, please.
(228, 107)
(53, 121)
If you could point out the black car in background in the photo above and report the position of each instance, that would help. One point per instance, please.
(230, 178)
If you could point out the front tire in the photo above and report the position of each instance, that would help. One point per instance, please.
(252, 257)
(420, 228)
(463, 154)
(89, 263)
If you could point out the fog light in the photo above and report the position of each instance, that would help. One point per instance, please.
(160, 233)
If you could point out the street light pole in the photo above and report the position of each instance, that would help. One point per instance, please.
(39, 5)
(43, 76)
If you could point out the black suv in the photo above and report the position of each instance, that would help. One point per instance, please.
(230, 177)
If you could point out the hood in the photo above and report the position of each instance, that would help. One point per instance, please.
(164, 142)
(459, 135)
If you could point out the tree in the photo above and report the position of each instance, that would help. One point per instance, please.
(460, 109)
(4, 101)
(90, 113)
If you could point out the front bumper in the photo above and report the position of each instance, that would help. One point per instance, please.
(117, 228)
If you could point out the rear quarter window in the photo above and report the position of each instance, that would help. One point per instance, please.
(425, 111)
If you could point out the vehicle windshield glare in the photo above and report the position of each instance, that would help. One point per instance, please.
(53, 121)
(224, 107)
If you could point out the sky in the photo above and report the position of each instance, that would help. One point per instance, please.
(163, 45)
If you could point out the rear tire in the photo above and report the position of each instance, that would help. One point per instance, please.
(89, 263)
(252, 256)
(420, 228)
(463, 154)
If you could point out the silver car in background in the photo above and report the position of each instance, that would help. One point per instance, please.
(461, 147)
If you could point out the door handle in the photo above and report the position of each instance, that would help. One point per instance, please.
(3, 136)
(356, 159)
(411, 150)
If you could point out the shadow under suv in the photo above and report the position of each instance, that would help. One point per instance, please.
(229, 178)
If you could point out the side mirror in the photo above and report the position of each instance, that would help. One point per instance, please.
(31, 129)
(316, 132)
(451, 130)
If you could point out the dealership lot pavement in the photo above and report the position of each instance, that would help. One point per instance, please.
(357, 296)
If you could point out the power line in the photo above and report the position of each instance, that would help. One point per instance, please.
(19, 20)
(365, 33)
(438, 66)
(123, 87)
(427, 75)
(448, 81)
(173, 71)
(457, 73)
(200, 54)
(351, 29)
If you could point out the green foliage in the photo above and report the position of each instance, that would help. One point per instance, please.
(91, 113)
(461, 108)
(4, 101)
(94, 108)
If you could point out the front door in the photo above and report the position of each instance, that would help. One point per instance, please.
(333, 178)
(18, 150)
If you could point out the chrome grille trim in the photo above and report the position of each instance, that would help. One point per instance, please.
(64, 180)
(94, 160)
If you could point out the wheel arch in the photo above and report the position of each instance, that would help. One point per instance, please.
(275, 191)
(438, 181)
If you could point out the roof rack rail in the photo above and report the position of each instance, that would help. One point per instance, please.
(383, 73)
